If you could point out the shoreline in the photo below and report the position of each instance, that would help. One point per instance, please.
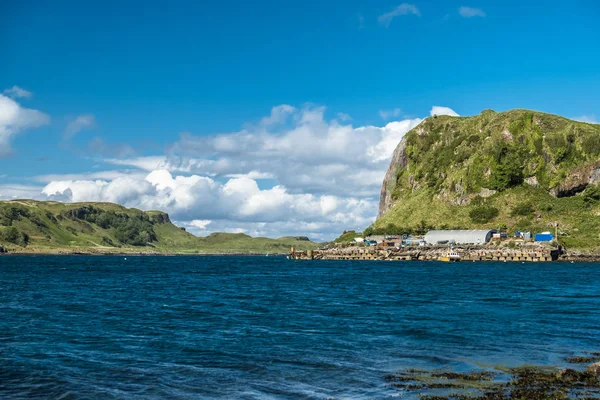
(346, 251)
(81, 253)
(524, 254)
(570, 257)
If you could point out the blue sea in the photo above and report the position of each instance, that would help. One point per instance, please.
(268, 328)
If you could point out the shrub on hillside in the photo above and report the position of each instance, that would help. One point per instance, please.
(477, 200)
(524, 225)
(87, 213)
(347, 236)
(423, 227)
(51, 217)
(14, 212)
(483, 214)
(591, 194)
(107, 241)
(5, 220)
(107, 220)
(135, 232)
(12, 235)
(523, 209)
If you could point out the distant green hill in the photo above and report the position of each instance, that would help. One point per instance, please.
(523, 170)
(53, 227)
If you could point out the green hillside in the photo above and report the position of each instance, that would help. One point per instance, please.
(522, 170)
(53, 227)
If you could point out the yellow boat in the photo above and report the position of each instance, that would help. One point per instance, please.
(451, 256)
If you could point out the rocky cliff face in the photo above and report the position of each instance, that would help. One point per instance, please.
(577, 180)
(159, 217)
(399, 161)
(459, 158)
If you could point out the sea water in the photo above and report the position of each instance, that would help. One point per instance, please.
(265, 327)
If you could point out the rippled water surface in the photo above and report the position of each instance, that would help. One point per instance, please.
(258, 327)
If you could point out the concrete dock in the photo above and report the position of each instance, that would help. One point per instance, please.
(533, 254)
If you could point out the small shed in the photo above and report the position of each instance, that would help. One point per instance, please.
(375, 238)
(523, 235)
(473, 236)
(544, 237)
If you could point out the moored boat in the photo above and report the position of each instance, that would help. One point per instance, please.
(450, 256)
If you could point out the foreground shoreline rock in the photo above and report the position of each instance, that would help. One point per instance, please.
(502, 383)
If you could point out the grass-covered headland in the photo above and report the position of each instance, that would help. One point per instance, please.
(28, 226)
(518, 170)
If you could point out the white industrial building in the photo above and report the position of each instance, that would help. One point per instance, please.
(459, 236)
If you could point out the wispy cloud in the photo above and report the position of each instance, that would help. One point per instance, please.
(439, 110)
(469, 12)
(78, 124)
(402, 9)
(361, 21)
(344, 117)
(18, 92)
(252, 175)
(590, 119)
(12, 191)
(98, 147)
(387, 114)
(103, 175)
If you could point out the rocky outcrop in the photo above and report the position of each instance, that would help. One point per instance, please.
(594, 368)
(160, 218)
(532, 181)
(486, 192)
(399, 160)
(577, 180)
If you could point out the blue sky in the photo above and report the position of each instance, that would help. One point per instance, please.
(122, 82)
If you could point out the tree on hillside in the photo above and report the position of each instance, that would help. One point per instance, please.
(12, 235)
(508, 169)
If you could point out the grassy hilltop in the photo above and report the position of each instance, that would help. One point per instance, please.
(522, 170)
(53, 227)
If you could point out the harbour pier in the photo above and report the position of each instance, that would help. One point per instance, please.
(431, 253)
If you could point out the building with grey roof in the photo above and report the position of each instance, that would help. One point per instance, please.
(459, 236)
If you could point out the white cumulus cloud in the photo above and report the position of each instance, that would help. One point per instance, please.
(278, 114)
(202, 201)
(13, 119)
(310, 155)
(296, 172)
